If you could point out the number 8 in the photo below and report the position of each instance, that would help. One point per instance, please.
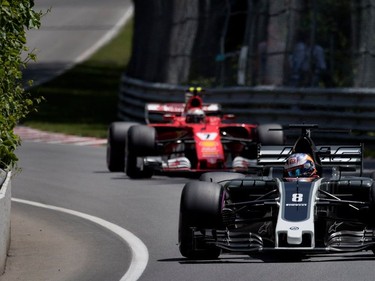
(297, 197)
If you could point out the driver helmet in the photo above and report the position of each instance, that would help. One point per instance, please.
(195, 115)
(300, 165)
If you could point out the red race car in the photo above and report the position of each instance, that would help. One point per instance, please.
(190, 137)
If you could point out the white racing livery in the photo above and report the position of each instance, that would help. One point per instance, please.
(330, 211)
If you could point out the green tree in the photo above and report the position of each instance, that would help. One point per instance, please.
(15, 103)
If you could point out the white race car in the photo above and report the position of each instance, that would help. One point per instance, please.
(274, 210)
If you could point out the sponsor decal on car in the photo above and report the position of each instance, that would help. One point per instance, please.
(208, 143)
(294, 228)
(207, 136)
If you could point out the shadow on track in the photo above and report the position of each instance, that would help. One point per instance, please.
(278, 258)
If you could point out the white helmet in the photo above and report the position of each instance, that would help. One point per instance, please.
(195, 115)
(300, 165)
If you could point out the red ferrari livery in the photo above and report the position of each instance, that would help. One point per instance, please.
(190, 137)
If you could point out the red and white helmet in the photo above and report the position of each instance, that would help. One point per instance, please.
(300, 165)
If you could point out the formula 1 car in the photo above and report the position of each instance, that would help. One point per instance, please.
(333, 212)
(194, 137)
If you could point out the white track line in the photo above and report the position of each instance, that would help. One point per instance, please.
(96, 46)
(139, 250)
(107, 37)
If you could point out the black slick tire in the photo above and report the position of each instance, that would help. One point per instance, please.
(116, 141)
(200, 208)
(140, 142)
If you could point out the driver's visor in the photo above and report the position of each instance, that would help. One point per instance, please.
(296, 171)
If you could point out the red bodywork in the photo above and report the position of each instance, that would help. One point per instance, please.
(209, 145)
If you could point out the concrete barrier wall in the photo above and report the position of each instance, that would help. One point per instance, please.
(5, 206)
(339, 108)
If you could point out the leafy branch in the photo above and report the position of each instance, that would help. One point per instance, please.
(16, 16)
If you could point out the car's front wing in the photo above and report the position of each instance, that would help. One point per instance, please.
(247, 242)
(294, 228)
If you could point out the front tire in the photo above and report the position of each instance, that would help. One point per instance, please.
(200, 208)
(141, 142)
(116, 141)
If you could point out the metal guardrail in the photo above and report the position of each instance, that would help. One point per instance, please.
(339, 108)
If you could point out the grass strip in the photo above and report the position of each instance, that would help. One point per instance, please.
(83, 100)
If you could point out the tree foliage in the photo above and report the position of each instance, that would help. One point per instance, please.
(170, 35)
(15, 103)
(250, 42)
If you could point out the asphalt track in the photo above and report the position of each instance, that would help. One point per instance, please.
(138, 254)
(75, 178)
(71, 31)
(52, 245)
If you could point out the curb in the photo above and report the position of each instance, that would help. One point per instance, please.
(5, 206)
(34, 135)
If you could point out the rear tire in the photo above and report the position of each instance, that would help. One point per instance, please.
(141, 142)
(200, 208)
(116, 141)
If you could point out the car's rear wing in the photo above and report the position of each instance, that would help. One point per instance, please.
(330, 155)
(176, 109)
